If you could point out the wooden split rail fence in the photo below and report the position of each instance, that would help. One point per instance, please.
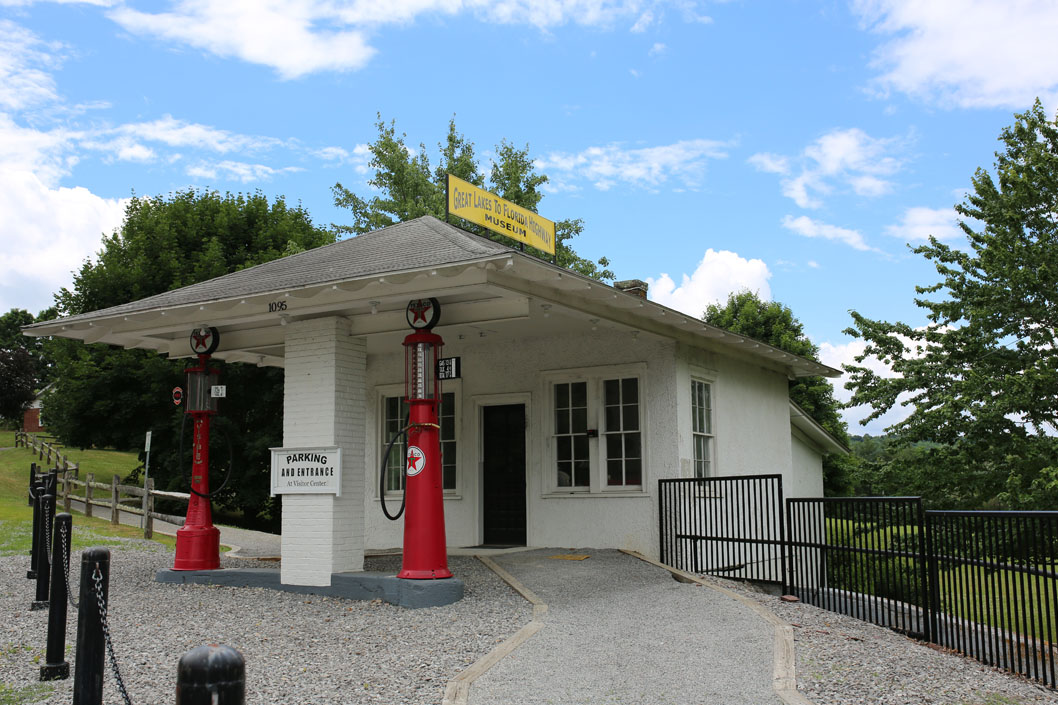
(112, 496)
(44, 447)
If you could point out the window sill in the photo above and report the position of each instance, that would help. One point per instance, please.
(605, 494)
(395, 496)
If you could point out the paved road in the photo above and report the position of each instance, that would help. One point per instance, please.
(619, 630)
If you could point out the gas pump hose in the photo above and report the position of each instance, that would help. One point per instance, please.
(382, 475)
(404, 468)
(183, 468)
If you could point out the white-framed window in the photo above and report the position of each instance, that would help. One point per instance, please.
(596, 417)
(624, 445)
(702, 434)
(394, 414)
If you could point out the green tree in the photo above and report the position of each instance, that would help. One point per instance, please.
(17, 383)
(773, 323)
(107, 397)
(24, 369)
(980, 376)
(409, 188)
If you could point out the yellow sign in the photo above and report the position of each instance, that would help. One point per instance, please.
(479, 206)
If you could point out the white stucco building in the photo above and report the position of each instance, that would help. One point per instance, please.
(575, 398)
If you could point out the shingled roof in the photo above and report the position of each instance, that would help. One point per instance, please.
(416, 244)
(338, 279)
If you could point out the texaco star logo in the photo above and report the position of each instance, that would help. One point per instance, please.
(416, 461)
(204, 340)
(423, 314)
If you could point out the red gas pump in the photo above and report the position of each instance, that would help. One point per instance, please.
(425, 550)
(198, 541)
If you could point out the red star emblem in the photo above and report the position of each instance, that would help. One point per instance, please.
(420, 309)
(416, 461)
(201, 339)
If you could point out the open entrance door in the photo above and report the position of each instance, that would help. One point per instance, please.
(503, 451)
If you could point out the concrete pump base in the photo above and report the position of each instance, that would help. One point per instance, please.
(352, 586)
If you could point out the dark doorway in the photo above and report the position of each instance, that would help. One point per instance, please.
(503, 440)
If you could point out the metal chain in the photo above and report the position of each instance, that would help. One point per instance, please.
(66, 566)
(47, 530)
(97, 577)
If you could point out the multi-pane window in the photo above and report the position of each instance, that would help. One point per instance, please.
(702, 427)
(571, 434)
(394, 417)
(598, 432)
(624, 457)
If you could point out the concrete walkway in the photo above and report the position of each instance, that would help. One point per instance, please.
(621, 630)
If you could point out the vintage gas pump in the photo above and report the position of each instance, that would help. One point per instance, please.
(425, 553)
(198, 541)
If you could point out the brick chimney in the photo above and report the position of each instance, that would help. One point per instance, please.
(632, 286)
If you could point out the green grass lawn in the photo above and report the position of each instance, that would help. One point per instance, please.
(16, 516)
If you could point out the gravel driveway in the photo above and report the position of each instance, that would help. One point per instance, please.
(307, 649)
(298, 648)
(844, 661)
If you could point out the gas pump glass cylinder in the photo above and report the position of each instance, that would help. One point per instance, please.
(199, 384)
(421, 363)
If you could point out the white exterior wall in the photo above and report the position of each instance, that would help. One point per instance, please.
(751, 415)
(806, 479)
(324, 405)
(752, 422)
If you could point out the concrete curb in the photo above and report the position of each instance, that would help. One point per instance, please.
(457, 692)
(784, 679)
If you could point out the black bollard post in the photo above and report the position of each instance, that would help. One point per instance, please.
(47, 509)
(56, 667)
(32, 479)
(34, 494)
(211, 675)
(91, 648)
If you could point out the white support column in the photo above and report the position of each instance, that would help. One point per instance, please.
(324, 404)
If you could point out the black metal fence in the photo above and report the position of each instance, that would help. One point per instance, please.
(982, 583)
(726, 526)
(996, 588)
(864, 557)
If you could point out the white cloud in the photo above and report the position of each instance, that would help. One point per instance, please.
(49, 232)
(970, 54)
(299, 37)
(650, 167)
(644, 21)
(178, 133)
(717, 275)
(803, 225)
(919, 223)
(237, 171)
(278, 34)
(848, 159)
(23, 57)
(657, 49)
(44, 154)
(770, 163)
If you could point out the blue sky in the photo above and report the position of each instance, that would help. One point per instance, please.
(793, 148)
